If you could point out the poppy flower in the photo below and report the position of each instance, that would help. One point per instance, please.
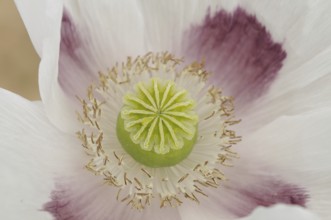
(169, 109)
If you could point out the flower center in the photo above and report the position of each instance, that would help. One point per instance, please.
(157, 129)
(160, 123)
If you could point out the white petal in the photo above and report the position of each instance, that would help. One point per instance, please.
(115, 29)
(302, 26)
(296, 149)
(167, 21)
(281, 212)
(300, 100)
(30, 151)
(39, 17)
(302, 75)
(207, 209)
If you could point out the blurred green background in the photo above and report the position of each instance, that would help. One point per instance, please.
(18, 60)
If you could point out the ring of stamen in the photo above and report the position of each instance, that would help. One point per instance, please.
(137, 183)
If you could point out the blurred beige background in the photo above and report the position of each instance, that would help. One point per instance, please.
(18, 60)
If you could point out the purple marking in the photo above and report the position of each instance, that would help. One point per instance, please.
(76, 64)
(59, 207)
(70, 39)
(271, 193)
(239, 50)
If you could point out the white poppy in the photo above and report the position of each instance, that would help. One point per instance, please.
(115, 62)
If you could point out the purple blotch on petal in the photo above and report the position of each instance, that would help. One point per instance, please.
(239, 50)
(70, 40)
(270, 193)
(59, 206)
(76, 62)
(278, 193)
